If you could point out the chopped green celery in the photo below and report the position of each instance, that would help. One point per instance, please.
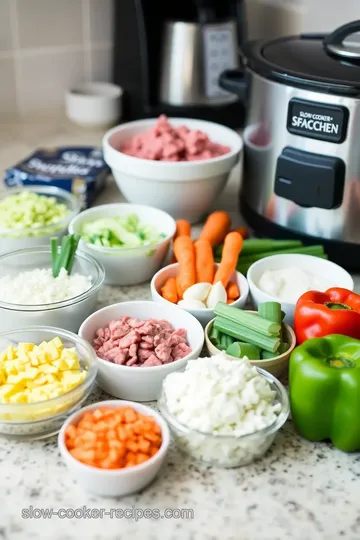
(283, 347)
(307, 250)
(215, 336)
(266, 355)
(223, 342)
(271, 311)
(241, 333)
(248, 320)
(240, 349)
(126, 232)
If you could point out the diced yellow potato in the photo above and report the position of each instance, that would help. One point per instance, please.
(57, 343)
(23, 348)
(47, 368)
(11, 366)
(52, 351)
(11, 352)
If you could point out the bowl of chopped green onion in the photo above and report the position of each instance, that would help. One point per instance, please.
(260, 336)
(131, 241)
(31, 215)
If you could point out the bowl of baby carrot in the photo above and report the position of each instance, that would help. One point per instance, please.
(114, 448)
(195, 282)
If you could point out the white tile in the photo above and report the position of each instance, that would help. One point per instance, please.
(101, 64)
(269, 19)
(101, 21)
(327, 15)
(7, 87)
(5, 26)
(48, 23)
(45, 78)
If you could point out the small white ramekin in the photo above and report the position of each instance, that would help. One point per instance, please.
(115, 482)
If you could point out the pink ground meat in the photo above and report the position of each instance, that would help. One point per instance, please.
(167, 143)
(133, 342)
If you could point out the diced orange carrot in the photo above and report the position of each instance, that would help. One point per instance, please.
(113, 438)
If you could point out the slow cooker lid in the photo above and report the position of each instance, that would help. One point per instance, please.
(330, 63)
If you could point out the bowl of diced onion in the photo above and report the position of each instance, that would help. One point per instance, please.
(131, 241)
(47, 374)
(30, 295)
(226, 450)
(31, 215)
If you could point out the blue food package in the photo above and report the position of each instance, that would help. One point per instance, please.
(80, 170)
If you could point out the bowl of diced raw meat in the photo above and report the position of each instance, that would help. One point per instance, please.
(179, 165)
(138, 343)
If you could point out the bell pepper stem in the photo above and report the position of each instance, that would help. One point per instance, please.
(336, 305)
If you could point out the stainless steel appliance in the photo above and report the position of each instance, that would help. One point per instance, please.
(168, 57)
(302, 139)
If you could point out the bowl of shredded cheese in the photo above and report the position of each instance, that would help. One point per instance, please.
(45, 375)
(31, 295)
(223, 413)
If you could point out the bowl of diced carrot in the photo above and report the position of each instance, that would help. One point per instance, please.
(114, 448)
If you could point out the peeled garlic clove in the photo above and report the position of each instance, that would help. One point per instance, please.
(199, 291)
(191, 304)
(217, 294)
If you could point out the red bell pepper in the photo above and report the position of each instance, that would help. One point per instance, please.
(319, 314)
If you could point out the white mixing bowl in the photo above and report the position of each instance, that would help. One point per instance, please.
(186, 190)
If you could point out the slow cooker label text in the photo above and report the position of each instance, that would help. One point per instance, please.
(315, 121)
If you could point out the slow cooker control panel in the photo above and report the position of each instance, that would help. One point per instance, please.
(310, 180)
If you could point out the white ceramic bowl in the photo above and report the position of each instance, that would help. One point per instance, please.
(334, 274)
(186, 190)
(128, 266)
(115, 482)
(15, 239)
(94, 104)
(141, 384)
(203, 315)
(68, 314)
(42, 419)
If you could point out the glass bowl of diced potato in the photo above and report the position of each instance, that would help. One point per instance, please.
(45, 375)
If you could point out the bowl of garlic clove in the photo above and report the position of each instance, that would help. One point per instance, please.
(200, 299)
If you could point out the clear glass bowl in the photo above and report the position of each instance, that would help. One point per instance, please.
(68, 314)
(15, 239)
(45, 418)
(223, 450)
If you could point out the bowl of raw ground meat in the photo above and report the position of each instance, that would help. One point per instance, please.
(138, 343)
(179, 165)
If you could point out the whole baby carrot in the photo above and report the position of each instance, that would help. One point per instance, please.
(183, 228)
(169, 290)
(185, 254)
(244, 231)
(232, 291)
(232, 246)
(216, 227)
(204, 261)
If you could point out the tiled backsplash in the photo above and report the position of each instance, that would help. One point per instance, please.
(272, 18)
(46, 46)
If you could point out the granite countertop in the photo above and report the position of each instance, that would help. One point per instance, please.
(298, 491)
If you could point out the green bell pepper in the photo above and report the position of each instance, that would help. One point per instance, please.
(324, 378)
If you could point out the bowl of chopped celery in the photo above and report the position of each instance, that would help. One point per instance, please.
(260, 336)
(131, 241)
(31, 215)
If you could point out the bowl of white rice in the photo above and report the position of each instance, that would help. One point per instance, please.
(31, 296)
